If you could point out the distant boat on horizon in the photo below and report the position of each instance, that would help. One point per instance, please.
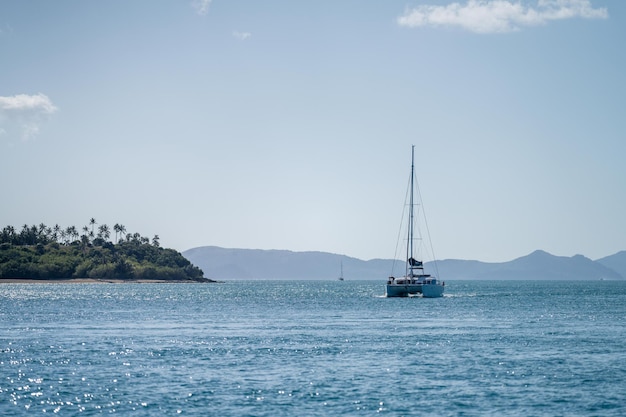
(341, 273)
(414, 281)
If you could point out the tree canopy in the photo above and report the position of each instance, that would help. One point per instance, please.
(43, 252)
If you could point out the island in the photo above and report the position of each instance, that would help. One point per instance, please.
(56, 254)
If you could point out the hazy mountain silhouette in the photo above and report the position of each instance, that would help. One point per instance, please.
(616, 262)
(537, 265)
(283, 264)
(231, 264)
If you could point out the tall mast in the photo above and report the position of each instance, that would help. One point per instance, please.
(411, 203)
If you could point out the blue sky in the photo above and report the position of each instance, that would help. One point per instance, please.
(288, 125)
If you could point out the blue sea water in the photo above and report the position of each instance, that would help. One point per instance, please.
(313, 348)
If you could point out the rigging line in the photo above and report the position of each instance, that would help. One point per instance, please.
(395, 253)
(430, 242)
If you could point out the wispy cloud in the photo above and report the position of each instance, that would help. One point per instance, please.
(242, 35)
(22, 114)
(498, 16)
(201, 6)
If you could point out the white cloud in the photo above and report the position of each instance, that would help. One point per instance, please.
(22, 114)
(23, 102)
(497, 16)
(242, 35)
(201, 6)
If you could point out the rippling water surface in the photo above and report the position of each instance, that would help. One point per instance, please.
(314, 348)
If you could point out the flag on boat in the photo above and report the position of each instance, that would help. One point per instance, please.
(415, 262)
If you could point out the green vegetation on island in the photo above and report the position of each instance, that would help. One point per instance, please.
(54, 253)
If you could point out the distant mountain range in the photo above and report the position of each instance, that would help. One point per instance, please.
(246, 264)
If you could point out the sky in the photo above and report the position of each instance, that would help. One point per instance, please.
(289, 125)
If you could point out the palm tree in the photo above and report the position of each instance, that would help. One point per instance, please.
(155, 241)
(5, 235)
(55, 232)
(8, 235)
(104, 232)
(116, 228)
(92, 222)
(84, 240)
(41, 234)
(28, 235)
(34, 235)
(11, 231)
(24, 234)
(133, 237)
(72, 233)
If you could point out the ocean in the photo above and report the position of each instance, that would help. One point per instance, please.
(313, 348)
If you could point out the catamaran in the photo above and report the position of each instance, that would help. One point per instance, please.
(415, 280)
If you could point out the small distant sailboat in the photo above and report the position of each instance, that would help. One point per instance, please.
(341, 274)
(415, 281)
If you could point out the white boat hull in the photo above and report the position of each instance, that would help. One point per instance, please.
(432, 290)
(400, 290)
(427, 289)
